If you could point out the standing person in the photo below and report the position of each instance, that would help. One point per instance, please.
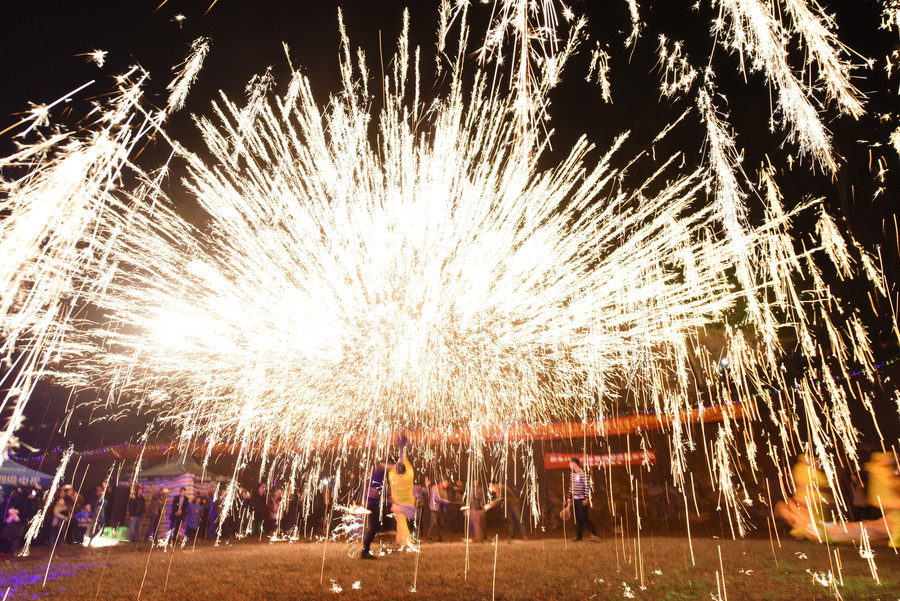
(423, 504)
(507, 499)
(325, 499)
(77, 502)
(212, 520)
(11, 532)
(12, 528)
(17, 501)
(273, 513)
(98, 502)
(179, 510)
(373, 507)
(260, 509)
(580, 498)
(33, 504)
(456, 492)
(137, 506)
(292, 514)
(192, 518)
(245, 513)
(403, 504)
(475, 511)
(155, 508)
(374, 495)
(35, 507)
(62, 510)
(438, 505)
(453, 519)
(225, 523)
(205, 509)
(84, 520)
(423, 518)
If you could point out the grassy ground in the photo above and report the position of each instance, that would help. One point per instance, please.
(534, 569)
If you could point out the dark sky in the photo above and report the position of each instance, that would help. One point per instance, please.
(41, 42)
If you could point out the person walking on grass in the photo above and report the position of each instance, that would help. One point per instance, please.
(580, 499)
(374, 496)
(810, 502)
(99, 503)
(373, 508)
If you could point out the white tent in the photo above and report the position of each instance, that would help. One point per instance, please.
(13, 474)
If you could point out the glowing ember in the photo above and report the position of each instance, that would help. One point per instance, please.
(436, 278)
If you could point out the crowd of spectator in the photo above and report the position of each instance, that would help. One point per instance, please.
(445, 509)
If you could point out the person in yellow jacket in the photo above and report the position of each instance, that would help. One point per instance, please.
(807, 507)
(884, 495)
(403, 503)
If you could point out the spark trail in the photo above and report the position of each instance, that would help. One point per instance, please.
(435, 278)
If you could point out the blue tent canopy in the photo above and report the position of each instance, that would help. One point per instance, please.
(15, 474)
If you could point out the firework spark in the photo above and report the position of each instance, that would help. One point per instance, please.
(98, 57)
(356, 289)
(436, 278)
(181, 85)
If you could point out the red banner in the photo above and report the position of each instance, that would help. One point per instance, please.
(558, 461)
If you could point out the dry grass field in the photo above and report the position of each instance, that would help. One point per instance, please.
(535, 569)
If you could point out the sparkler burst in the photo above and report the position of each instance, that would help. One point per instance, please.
(431, 276)
(437, 279)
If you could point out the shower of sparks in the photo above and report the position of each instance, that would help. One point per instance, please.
(890, 17)
(530, 32)
(678, 74)
(537, 58)
(599, 70)
(436, 279)
(633, 9)
(181, 85)
(350, 527)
